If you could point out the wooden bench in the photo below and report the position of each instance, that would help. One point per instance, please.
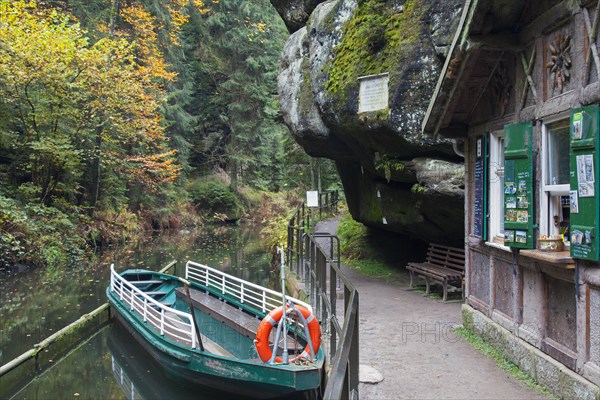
(443, 264)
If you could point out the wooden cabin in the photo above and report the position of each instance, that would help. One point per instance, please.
(520, 91)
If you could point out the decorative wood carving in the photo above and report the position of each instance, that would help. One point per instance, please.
(560, 61)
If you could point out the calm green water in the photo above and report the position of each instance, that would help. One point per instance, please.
(36, 303)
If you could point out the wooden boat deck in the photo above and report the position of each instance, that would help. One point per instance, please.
(238, 320)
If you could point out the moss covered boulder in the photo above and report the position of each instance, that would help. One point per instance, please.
(391, 172)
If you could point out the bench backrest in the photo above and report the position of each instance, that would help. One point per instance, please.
(446, 256)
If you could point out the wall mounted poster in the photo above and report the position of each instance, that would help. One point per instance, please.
(576, 126)
(574, 202)
(511, 202)
(509, 236)
(585, 175)
(522, 202)
(522, 216)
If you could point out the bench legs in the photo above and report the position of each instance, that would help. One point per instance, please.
(428, 282)
(445, 285)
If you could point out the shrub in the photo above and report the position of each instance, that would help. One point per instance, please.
(35, 234)
(216, 200)
(353, 238)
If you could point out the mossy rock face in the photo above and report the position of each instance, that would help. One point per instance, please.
(408, 40)
(428, 215)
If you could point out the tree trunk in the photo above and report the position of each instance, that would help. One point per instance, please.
(114, 14)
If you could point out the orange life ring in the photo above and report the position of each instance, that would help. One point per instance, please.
(266, 325)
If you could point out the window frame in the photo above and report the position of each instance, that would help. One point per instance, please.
(496, 188)
(548, 208)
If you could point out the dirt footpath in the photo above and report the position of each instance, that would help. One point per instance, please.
(409, 339)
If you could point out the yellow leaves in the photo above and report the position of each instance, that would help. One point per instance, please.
(112, 88)
(144, 27)
(200, 6)
(154, 170)
(259, 26)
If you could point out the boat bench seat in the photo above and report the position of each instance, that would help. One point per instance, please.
(156, 293)
(243, 323)
(239, 321)
(442, 264)
(146, 282)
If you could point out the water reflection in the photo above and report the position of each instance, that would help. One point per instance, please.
(111, 365)
(36, 303)
(141, 377)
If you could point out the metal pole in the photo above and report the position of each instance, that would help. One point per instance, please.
(284, 317)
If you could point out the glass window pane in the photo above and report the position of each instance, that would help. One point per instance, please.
(557, 172)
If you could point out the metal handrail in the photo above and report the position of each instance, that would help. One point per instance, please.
(246, 292)
(159, 315)
(324, 279)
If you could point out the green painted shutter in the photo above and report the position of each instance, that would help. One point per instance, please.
(585, 190)
(518, 186)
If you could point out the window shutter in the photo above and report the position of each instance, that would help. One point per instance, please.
(518, 186)
(584, 177)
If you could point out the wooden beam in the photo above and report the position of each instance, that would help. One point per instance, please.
(528, 75)
(528, 68)
(592, 30)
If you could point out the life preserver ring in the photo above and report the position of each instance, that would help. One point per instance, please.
(266, 325)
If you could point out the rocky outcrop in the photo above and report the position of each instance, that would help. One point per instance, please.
(394, 177)
(295, 13)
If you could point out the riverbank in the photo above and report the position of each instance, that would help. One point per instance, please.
(410, 340)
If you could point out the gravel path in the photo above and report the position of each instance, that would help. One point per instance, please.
(409, 339)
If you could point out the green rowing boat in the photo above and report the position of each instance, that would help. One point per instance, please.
(214, 329)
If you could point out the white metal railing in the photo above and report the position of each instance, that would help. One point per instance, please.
(174, 324)
(246, 292)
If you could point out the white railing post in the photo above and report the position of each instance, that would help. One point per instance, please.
(264, 301)
(121, 290)
(162, 322)
(145, 308)
(242, 292)
(223, 284)
(193, 334)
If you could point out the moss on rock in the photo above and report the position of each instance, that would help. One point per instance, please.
(378, 38)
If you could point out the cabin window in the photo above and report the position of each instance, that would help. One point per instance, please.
(555, 180)
(496, 187)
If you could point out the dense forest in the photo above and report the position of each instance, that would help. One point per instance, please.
(120, 116)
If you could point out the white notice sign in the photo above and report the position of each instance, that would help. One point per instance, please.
(312, 198)
(373, 93)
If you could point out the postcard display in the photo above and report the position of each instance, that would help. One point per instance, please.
(584, 193)
(518, 186)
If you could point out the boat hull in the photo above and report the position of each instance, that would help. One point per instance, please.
(248, 378)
